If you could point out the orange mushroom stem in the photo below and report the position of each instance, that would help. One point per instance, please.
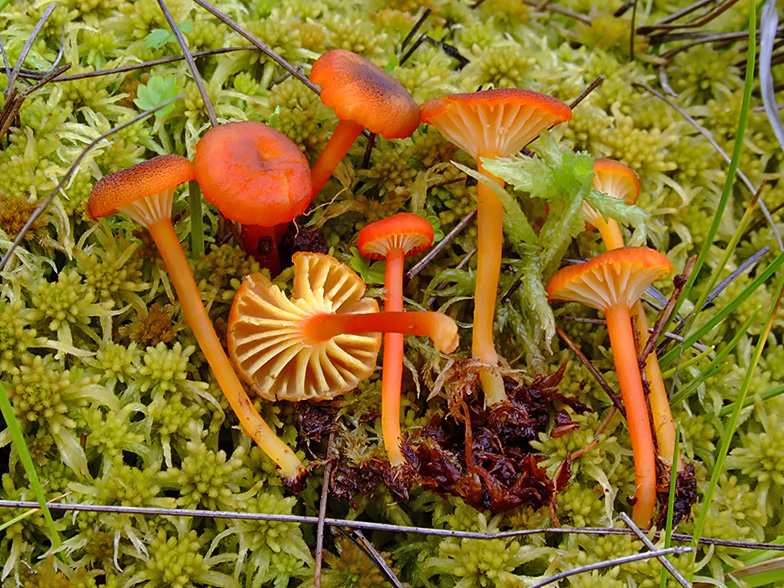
(145, 193)
(492, 123)
(612, 283)
(436, 325)
(363, 96)
(618, 180)
(393, 239)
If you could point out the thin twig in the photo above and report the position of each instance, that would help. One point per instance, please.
(49, 197)
(610, 563)
(721, 152)
(322, 515)
(448, 238)
(614, 398)
(377, 559)
(27, 46)
(186, 53)
(663, 560)
(664, 317)
(259, 45)
(583, 18)
(368, 150)
(591, 87)
(416, 27)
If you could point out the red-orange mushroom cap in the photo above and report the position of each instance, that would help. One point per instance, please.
(148, 178)
(406, 231)
(618, 276)
(359, 90)
(494, 122)
(253, 173)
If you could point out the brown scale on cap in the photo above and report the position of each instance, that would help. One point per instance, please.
(359, 90)
(140, 181)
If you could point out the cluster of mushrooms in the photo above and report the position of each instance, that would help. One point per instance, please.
(324, 339)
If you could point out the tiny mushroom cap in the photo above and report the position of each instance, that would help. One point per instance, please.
(266, 340)
(253, 173)
(616, 179)
(616, 277)
(494, 122)
(359, 90)
(405, 231)
(128, 186)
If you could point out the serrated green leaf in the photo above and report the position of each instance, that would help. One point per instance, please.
(157, 38)
(371, 272)
(156, 91)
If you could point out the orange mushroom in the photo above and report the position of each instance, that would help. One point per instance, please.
(393, 239)
(145, 193)
(363, 96)
(617, 180)
(257, 176)
(315, 345)
(492, 123)
(612, 283)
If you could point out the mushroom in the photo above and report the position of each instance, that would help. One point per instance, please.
(612, 283)
(492, 123)
(363, 96)
(145, 193)
(257, 176)
(324, 340)
(617, 180)
(393, 239)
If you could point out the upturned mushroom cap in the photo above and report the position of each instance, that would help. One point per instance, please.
(494, 123)
(148, 178)
(358, 90)
(618, 276)
(266, 341)
(253, 173)
(406, 231)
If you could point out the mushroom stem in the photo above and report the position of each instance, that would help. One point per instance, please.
(438, 326)
(262, 243)
(173, 256)
(490, 240)
(611, 233)
(392, 374)
(630, 381)
(341, 141)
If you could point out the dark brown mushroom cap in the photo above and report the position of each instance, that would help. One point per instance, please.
(358, 90)
(618, 276)
(406, 230)
(494, 123)
(253, 173)
(144, 179)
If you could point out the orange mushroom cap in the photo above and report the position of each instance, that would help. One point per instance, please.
(253, 173)
(266, 332)
(494, 122)
(406, 231)
(616, 179)
(144, 179)
(359, 90)
(618, 276)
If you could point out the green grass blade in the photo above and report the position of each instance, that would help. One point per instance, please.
(689, 362)
(24, 456)
(671, 501)
(763, 277)
(197, 223)
(18, 518)
(765, 396)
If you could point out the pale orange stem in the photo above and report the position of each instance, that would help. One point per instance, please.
(173, 256)
(339, 143)
(611, 233)
(490, 241)
(439, 327)
(392, 374)
(630, 380)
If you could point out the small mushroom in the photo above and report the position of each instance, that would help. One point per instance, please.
(393, 239)
(492, 123)
(257, 176)
(363, 96)
(324, 340)
(612, 283)
(145, 193)
(617, 180)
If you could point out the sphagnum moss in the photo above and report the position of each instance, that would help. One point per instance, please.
(119, 407)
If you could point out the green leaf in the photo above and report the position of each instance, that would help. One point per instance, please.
(156, 91)
(157, 38)
(372, 273)
(438, 234)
